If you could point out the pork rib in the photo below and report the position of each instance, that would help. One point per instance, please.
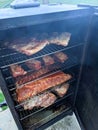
(61, 57)
(48, 60)
(62, 90)
(42, 100)
(33, 45)
(17, 70)
(60, 39)
(39, 45)
(33, 88)
(32, 76)
(33, 64)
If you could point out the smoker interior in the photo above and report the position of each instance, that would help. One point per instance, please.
(35, 119)
(88, 90)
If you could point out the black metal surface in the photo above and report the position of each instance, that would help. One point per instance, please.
(79, 119)
(88, 95)
(59, 117)
(87, 36)
(88, 91)
(10, 18)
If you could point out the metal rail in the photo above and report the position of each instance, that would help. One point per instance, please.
(13, 86)
(28, 113)
(19, 58)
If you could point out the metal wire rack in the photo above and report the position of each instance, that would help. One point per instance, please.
(11, 82)
(9, 56)
(23, 114)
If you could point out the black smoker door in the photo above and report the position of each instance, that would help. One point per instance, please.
(87, 99)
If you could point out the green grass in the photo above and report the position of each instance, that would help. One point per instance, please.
(1, 97)
(1, 100)
(6, 3)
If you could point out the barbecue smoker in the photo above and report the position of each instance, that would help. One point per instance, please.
(48, 64)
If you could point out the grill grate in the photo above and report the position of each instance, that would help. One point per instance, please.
(18, 106)
(72, 61)
(10, 56)
(23, 114)
(56, 114)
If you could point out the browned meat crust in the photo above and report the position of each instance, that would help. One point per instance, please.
(61, 57)
(48, 60)
(17, 70)
(33, 64)
(33, 88)
(62, 90)
(33, 45)
(60, 39)
(42, 100)
(31, 76)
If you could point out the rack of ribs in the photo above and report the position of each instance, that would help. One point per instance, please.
(34, 45)
(33, 88)
(42, 100)
(31, 76)
(33, 64)
(61, 90)
(60, 39)
(48, 60)
(29, 48)
(17, 70)
(61, 57)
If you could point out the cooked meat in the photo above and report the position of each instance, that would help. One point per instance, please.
(61, 90)
(30, 50)
(31, 76)
(33, 64)
(33, 88)
(48, 60)
(61, 57)
(31, 47)
(17, 70)
(42, 100)
(60, 39)
(22, 43)
(34, 45)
